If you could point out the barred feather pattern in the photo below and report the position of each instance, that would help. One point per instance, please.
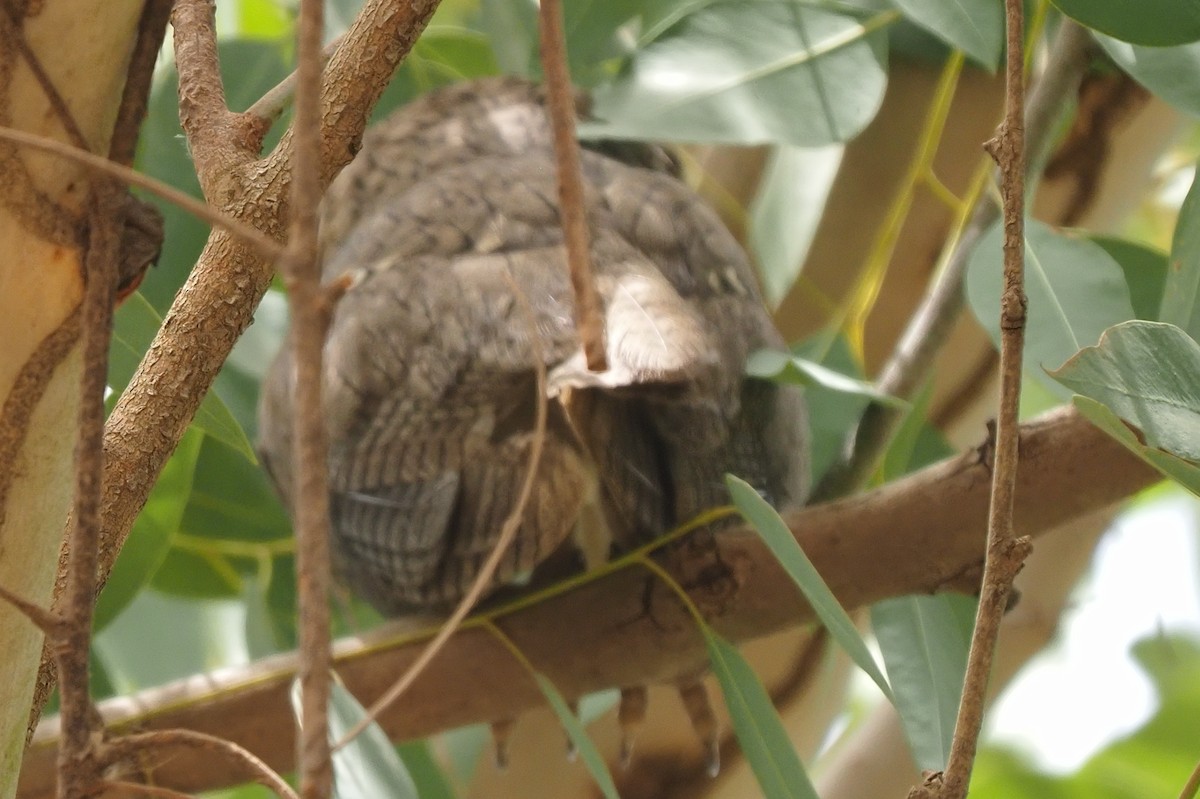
(445, 217)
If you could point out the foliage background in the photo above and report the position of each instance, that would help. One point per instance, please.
(207, 577)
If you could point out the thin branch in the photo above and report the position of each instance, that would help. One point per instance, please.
(1192, 787)
(310, 317)
(267, 247)
(508, 531)
(77, 767)
(914, 535)
(219, 139)
(913, 358)
(135, 746)
(44, 620)
(1005, 552)
(560, 105)
(271, 105)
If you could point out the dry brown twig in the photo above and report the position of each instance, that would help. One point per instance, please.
(1006, 552)
(137, 745)
(311, 310)
(560, 104)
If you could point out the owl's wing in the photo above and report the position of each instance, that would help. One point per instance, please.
(430, 381)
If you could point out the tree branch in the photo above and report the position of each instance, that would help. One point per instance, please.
(310, 315)
(915, 535)
(914, 355)
(1006, 553)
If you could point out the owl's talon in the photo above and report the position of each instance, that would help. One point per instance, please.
(501, 733)
(704, 721)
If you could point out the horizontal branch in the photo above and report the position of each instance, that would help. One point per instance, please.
(916, 535)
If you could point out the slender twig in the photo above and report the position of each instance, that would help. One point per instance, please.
(508, 531)
(77, 768)
(1192, 786)
(271, 105)
(49, 623)
(1005, 553)
(560, 105)
(267, 247)
(138, 744)
(913, 358)
(310, 317)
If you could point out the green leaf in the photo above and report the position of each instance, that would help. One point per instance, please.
(1154, 23)
(1181, 295)
(924, 641)
(1149, 374)
(1176, 468)
(579, 737)
(134, 328)
(756, 723)
(779, 539)
(1145, 271)
(974, 26)
(368, 767)
(831, 414)
(426, 774)
(1172, 73)
(786, 210)
(1075, 290)
(232, 500)
(748, 73)
(150, 539)
(917, 443)
(782, 367)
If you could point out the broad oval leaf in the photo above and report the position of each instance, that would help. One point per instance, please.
(924, 641)
(1075, 291)
(579, 737)
(1181, 296)
(1145, 271)
(748, 73)
(756, 723)
(1172, 73)
(1155, 23)
(1149, 374)
(974, 26)
(778, 538)
(786, 211)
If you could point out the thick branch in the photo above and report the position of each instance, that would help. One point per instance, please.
(915, 535)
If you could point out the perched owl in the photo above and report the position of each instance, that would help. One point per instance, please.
(447, 226)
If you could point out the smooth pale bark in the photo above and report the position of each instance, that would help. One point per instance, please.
(40, 289)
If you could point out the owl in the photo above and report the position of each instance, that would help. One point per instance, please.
(459, 321)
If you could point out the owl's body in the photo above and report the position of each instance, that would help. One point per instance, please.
(447, 222)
